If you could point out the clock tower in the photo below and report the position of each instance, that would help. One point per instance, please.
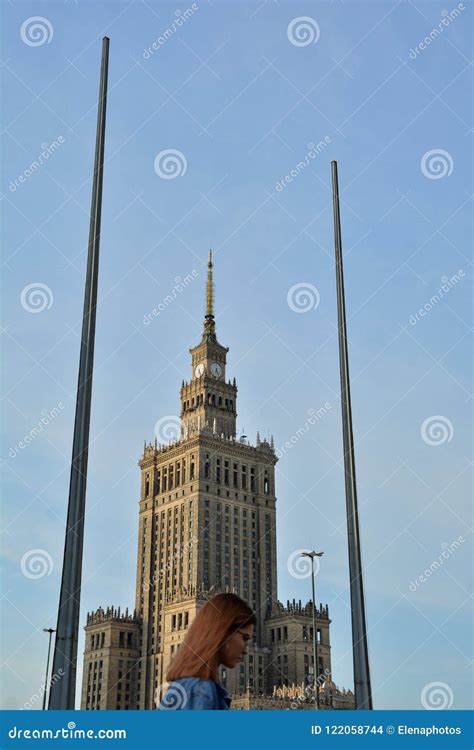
(208, 402)
(207, 523)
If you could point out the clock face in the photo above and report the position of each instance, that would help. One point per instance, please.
(199, 370)
(216, 369)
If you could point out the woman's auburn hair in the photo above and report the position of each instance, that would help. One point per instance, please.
(198, 655)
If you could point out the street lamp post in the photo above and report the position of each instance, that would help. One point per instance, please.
(312, 555)
(50, 631)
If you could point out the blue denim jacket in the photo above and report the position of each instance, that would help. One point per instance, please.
(194, 694)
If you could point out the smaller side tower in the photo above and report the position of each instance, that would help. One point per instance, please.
(110, 660)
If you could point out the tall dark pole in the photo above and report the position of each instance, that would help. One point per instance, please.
(50, 631)
(62, 692)
(360, 655)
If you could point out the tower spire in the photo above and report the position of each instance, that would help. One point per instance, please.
(209, 322)
(210, 287)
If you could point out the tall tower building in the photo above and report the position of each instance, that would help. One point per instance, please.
(206, 524)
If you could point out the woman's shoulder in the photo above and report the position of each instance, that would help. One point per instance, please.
(190, 693)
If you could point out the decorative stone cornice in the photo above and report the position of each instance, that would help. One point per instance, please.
(111, 614)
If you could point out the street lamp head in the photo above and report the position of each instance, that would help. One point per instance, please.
(312, 554)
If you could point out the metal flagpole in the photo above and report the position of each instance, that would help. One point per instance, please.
(360, 655)
(62, 692)
(50, 631)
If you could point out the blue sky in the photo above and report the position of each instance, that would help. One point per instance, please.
(240, 96)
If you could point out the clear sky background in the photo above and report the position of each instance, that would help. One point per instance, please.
(240, 100)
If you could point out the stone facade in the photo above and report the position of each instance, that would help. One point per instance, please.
(206, 524)
(110, 657)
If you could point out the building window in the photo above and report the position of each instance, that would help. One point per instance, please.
(226, 472)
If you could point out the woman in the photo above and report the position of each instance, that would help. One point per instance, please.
(218, 635)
